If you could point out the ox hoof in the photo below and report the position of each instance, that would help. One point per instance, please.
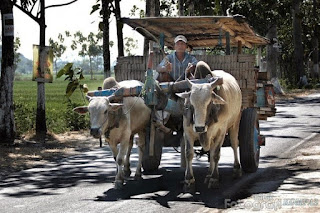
(237, 173)
(137, 177)
(127, 173)
(213, 183)
(118, 184)
(189, 186)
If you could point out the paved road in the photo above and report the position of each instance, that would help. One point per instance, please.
(84, 183)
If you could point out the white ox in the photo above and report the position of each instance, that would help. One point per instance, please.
(119, 122)
(212, 114)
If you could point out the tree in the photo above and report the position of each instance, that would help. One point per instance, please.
(315, 39)
(58, 48)
(89, 46)
(130, 44)
(297, 40)
(105, 7)
(152, 10)
(117, 13)
(7, 125)
(16, 47)
(181, 7)
(265, 23)
(106, 12)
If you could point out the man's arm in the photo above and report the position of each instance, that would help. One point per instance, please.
(191, 67)
(165, 66)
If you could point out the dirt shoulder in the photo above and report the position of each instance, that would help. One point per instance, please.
(28, 152)
(296, 93)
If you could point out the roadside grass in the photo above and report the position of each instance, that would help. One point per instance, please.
(59, 115)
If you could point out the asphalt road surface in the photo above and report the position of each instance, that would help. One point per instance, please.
(84, 183)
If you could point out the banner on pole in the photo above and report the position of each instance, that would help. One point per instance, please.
(42, 72)
(8, 24)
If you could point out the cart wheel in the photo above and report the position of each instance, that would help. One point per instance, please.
(151, 163)
(248, 140)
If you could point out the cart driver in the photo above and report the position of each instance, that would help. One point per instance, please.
(179, 64)
(176, 67)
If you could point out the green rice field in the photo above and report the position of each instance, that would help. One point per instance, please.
(59, 115)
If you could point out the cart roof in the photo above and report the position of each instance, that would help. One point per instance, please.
(201, 31)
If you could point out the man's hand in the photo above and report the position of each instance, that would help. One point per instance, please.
(168, 67)
(189, 68)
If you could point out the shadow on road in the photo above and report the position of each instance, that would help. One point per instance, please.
(90, 167)
(164, 187)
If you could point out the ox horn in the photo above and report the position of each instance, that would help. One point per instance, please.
(189, 83)
(88, 97)
(111, 98)
(216, 82)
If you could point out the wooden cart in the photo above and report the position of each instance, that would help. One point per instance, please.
(231, 33)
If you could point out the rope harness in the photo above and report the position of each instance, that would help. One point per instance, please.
(115, 117)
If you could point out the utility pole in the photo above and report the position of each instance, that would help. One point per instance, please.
(41, 126)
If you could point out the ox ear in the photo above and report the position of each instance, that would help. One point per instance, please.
(216, 99)
(81, 109)
(115, 106)
(184, 94)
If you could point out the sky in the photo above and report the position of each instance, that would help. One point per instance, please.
(74, 17)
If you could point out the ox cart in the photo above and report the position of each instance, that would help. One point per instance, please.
(236, 37)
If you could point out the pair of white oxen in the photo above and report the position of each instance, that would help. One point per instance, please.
(215, 111)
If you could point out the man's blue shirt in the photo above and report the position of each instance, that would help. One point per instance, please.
(178, 68)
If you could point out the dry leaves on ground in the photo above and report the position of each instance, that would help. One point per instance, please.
(29, 152)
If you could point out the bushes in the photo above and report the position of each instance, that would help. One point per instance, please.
(25, 117)
(59, 115)
(74, 121)
(59, 120)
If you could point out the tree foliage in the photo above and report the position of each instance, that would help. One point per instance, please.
(58, 48)
(89, 46)
(261, 15)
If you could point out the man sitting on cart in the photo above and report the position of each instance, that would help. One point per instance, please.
(178, 66)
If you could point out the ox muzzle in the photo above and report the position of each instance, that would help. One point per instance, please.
(200, 129)
(95, 132)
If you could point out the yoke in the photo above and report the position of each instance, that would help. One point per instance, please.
(151, 89)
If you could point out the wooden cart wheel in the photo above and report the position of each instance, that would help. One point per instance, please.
(248, 140)
(151, 163)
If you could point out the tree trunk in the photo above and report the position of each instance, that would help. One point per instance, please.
(181, 7)
(297, 40)
(7, 125)
(41, 126)
(217, 8)
(191, 8)
(272, 53)
(152, 10)
(315, 44)
(106, 39)
(119, 28)
(315, 58)
(90, 64)
(146, 41)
